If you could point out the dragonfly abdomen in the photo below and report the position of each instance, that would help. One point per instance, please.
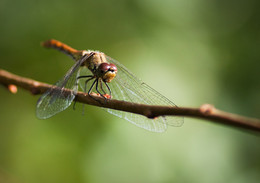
(52, 43)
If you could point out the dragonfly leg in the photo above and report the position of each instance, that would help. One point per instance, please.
(86, 82)
(78, 78)
(91, 89)
(74, 103)
(110, 93)
(99, 91)
(101, 86)
(81, 77)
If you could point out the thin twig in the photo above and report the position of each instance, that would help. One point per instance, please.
(206, 111)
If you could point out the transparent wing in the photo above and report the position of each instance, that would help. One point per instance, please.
(60, 96)
(127, 87)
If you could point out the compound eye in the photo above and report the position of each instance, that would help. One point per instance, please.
(113, 67)
(104, 67)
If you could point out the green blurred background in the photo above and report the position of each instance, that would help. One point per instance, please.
(193, 52)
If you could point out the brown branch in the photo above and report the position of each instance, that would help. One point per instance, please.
(206, 111)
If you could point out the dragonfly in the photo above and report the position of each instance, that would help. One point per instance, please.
(95, 72)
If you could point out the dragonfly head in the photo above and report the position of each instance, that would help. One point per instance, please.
(107, 72)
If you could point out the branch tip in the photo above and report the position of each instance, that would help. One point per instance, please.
(12, 88)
